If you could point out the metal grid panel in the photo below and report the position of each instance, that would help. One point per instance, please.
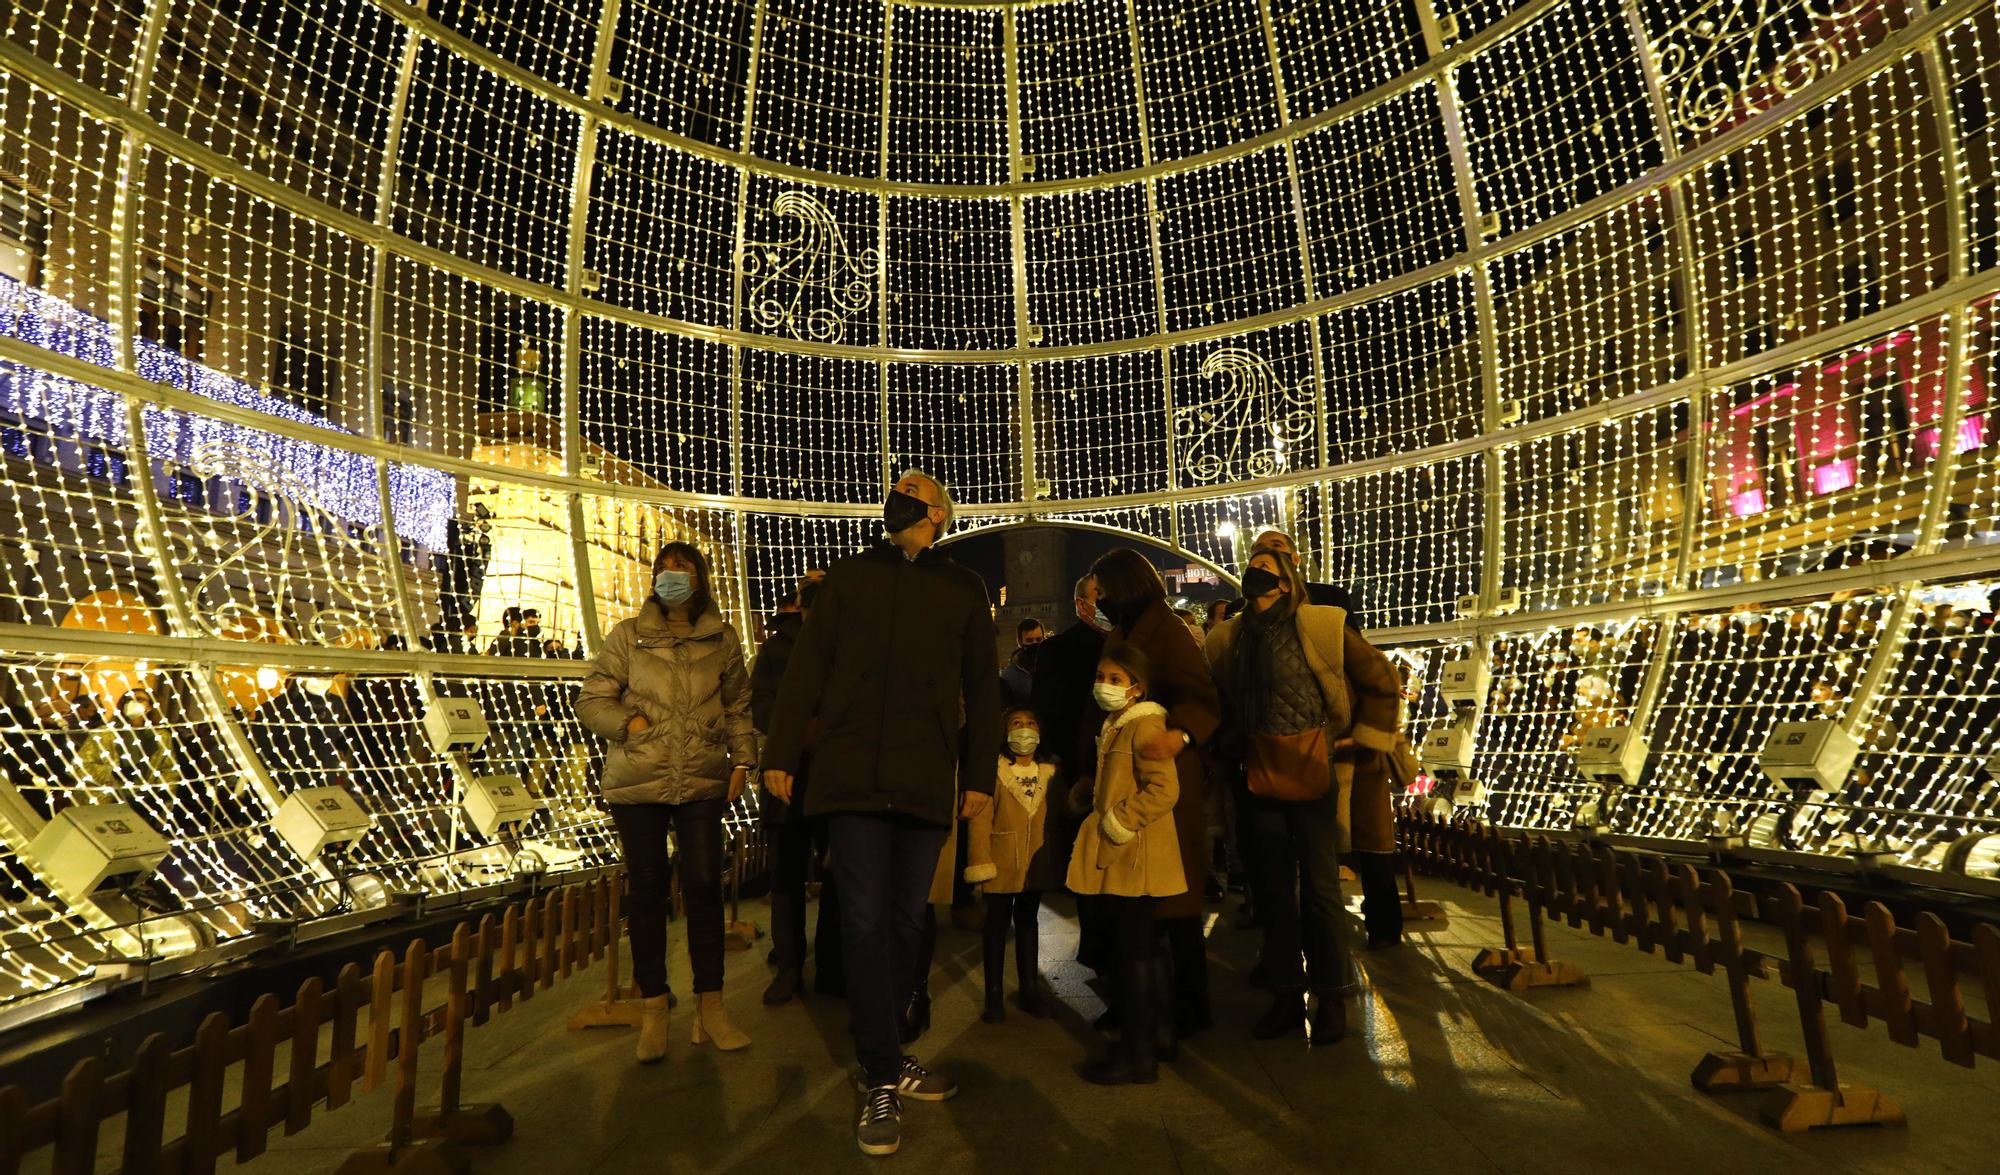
(1828, 219)
(779, 549)
(465, 364)
(1100, 425)
(624, 537)
(658, 404)
(1079, 103)
(1403, 372)
(1330, 51)
(1550, 689)
(685, 65)
(551, 38)
(1556, 114)
(484, 169)
(812, 428)
(959, 422)
(1732, 677)
(662, 231)
(951, 276)
(62, 167)
(1406, 542)
(1229, 247)
(1090, 266)
(947, 97)
(1221, 530)
(819, 85)
(89, 42)
(1594, 514)
(300, 93)
(1207, 74)
(1379, 195)
(1590, 315)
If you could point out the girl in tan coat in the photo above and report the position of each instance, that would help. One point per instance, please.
(1008, 851)
(1128, 856)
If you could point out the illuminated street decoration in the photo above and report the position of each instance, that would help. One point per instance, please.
(1646, 346)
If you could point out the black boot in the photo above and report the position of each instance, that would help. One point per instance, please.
(1028, 974)
(1329, 1019)
(1285, 1016)
(784, 986)
(1132, 1061)
(1166, 1037)
(994, 940)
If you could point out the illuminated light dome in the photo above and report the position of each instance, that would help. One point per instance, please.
(1644, 349)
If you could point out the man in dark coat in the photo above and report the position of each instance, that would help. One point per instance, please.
(897, 664)
(793, 837)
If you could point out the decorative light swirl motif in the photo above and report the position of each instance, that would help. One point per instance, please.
(1729, 55)
(300, 534)
(1250, 429)
(815, 258)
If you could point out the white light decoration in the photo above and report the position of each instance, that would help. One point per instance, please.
(336, 330)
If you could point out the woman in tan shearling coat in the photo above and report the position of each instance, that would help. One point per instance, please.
(1128, 855)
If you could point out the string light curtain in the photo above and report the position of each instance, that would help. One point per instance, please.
(1642, 347)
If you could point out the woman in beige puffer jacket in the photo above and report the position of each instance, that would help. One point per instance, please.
(670, 694)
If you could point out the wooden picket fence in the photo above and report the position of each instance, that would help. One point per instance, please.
(1696, 916)
(488, 967)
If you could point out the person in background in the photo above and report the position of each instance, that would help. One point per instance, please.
(670, 694)
(1296, 684)
(507, 643)
(1373, 851)
(1009, 853)
(793, 837)
(897, 663)
(1192, 619)
(1064, 670)
(1134, 599)
(1217, 612)
(1325, 595)
(1017, 679)
(1127, 855)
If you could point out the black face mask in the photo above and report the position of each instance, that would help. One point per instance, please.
(903, 511)
(534, 630)
(1257, 581)
(1025, 656)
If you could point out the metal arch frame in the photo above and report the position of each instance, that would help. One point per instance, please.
(1954, 297)
(1039, 521)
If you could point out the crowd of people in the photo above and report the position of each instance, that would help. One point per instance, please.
(897, 750)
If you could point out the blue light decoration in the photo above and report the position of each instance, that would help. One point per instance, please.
(421, 498)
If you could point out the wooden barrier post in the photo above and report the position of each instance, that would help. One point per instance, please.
(487, 1124)
(146, 1106)
(403, 1151)
(260, 1052)
(302, 1083)
(1511, 967)
(617, 1009)
(1825, 1102)
(202, 1139)
(1750, 1067)
(79, 1115)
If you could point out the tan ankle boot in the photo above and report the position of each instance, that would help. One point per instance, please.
(712, 1026)
(652, 1030)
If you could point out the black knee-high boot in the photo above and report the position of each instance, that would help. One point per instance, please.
(1027, 956)
(995, 942)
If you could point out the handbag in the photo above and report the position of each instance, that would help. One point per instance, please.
(1291, 767)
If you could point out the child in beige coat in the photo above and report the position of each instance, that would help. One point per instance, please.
(1127, 852)
(1007, 851)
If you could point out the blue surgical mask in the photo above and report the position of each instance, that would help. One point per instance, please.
(673, 587)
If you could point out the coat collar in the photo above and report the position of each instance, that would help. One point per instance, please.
(888, 552)
(1142, 710)
(1147, 626)
(651, 623)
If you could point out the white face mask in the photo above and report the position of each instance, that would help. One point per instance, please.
(1023, 740)
(1111, 697)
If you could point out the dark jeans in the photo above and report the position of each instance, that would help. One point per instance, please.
(1024, 911)
(642, 828)
(1297, 848)
(1381, 901)
(883, 866)
(792, 849)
